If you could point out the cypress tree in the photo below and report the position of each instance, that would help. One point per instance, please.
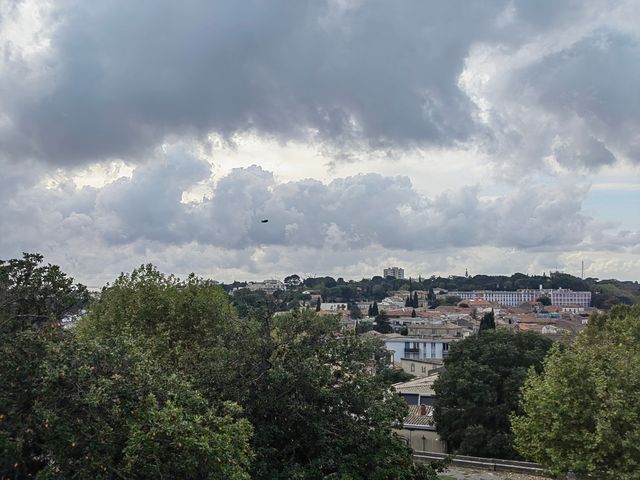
(318, 305)
(374, 309)
(415, 300)
(431, 296)
(408, 302)
(413, 313)
(488, 322)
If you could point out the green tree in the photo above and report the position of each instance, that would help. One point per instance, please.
(394, 375)
(354, 311)
(364, 326)
(431, 297)
(544, 300)
(413, 313)
(582, 413)
(383, 325)
(101, 407)
(319, 412)
(479, 389)
(374, 310)
(34, 292)
(103, 410)
(307, 388)
(318, 305)
(488, 322)
(415, 303)
(186, 325)
(452, 300)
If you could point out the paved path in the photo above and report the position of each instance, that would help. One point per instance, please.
(468, 474)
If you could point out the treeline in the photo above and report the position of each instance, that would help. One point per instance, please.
(161, 377)
(605, 293)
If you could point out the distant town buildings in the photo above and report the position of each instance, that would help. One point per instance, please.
(267, 286)
(394, 272)
(560, 297)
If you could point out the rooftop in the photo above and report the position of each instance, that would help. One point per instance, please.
(415, 418)
(422, 385)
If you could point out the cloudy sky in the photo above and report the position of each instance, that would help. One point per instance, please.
(497, 136)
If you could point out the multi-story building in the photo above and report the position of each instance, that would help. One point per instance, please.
(395, 272)
(418, 348)
(267, 286)
(559, 297)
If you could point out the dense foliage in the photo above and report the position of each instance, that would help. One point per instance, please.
(34, 293)
(163, 379)
(73, 407)
(582, 413)
(479, 390)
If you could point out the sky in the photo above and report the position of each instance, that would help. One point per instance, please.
(439, 136)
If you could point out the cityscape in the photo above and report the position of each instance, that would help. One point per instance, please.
(329, 239)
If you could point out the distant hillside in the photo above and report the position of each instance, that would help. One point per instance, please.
(606, 293)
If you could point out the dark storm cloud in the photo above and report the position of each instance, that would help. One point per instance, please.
(120, 77)
(124, 75)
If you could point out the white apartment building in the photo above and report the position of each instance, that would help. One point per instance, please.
(267, 286)
(416, 348)
(333, 307)
(558, 297)
(395, 272)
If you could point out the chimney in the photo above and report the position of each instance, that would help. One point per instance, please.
(423, 410)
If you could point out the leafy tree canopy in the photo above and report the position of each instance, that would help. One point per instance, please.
(479, 389)
(35, 292)
(582, 413)
(80, 407)
(488, 322)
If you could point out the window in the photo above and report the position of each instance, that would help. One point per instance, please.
(445, 347)
(413, 367)
(424, 369)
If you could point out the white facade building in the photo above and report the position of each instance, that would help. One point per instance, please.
(333, 307)
(395, 272)
(559, 297)
(417, 348)
(267, 286)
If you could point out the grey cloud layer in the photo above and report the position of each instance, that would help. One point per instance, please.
(120, 77)
(345, 214)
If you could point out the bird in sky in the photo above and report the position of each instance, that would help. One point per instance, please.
(264, 221)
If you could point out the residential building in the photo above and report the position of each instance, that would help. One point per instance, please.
(267, 286)
(435, 329)
(416, 348)
(333, 307)
(391, 303)
(395, 272)
(418, 391)
(419, 430)
(421, 368)
(418, 427)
